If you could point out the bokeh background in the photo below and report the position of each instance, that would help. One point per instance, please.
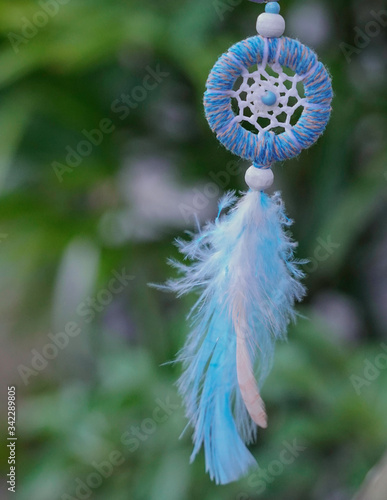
(98, 415)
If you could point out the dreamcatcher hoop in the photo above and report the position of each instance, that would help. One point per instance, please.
(266, 146)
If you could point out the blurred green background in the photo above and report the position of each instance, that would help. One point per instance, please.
(92, 188)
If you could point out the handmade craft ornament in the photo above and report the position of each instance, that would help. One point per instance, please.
(267, 99)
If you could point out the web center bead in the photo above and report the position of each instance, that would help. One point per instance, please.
(269, 98)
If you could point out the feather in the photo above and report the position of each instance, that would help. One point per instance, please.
(243, 269)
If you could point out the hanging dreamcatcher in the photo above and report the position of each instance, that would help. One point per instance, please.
(267, 99)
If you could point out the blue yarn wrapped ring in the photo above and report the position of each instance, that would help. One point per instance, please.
(267, 99)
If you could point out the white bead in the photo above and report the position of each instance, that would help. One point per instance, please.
(259, 179)
(270, 25)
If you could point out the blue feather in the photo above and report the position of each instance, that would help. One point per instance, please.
(243, 268)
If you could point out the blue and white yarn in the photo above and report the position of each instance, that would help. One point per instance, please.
(266, 148)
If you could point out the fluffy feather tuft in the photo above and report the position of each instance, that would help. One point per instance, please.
(243, 268)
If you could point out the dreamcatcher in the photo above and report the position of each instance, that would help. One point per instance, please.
(267, 99)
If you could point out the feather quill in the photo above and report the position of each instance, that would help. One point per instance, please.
(243, 268)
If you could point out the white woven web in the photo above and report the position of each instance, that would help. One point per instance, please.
(252, 85)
